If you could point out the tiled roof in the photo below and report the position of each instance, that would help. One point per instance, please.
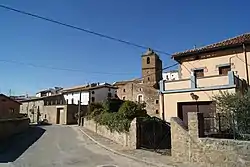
(120, 83)
(238, 40)
(86, 88)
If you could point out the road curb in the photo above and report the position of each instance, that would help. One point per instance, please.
(121, 154)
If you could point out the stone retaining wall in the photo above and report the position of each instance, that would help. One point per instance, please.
(187, 146)
(125, 139)
(9, 127)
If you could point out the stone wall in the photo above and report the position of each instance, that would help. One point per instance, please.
(150, 96)
(125, 139)
(9, 127)
(188, 146)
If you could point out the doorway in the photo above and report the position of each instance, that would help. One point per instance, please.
(58, 112)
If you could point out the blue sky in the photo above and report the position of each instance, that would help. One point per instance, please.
(169, 25)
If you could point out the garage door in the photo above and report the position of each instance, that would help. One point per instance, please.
(205, 107)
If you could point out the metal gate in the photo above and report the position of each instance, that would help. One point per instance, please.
(154, 134)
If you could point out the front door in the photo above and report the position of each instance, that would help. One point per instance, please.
(58, 115)
(205, 107)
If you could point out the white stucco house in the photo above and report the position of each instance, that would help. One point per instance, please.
(170, 75)
(89, 93)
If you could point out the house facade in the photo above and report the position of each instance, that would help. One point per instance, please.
(49, 92)
(144, 89)
(52, 108)
(9, 108)
(89, 93)
(204, 72)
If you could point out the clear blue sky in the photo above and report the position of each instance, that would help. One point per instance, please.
(169, 25)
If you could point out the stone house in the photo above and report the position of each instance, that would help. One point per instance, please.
(52, 108)
(204, 72)
(144, 89)
(9, 108)
(94, 92)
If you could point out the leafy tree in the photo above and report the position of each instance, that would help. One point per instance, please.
(236, 108)
(130, 110)
(112, 105)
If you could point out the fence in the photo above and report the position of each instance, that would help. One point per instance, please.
(229, 126)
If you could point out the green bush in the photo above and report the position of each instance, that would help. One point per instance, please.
(116, 115)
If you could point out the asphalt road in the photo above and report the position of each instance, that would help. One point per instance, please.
(58, 146)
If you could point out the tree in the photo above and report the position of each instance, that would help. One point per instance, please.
(130, 110)
(236, 108)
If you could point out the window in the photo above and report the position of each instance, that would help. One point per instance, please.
(11, 110)
(141, 89)
(156, 111)
(124, 90)
(72, 101)
(139, 98)
(156, 101)
(109, 95)
(123, 98)
(148, 60)
(93, 92)
(199, 73)
(93, 99)
(109, 89)
(224, 70)
(148, 79)
(45, 116)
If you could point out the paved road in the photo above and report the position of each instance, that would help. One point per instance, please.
(58, 146)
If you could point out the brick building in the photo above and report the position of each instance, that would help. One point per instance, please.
(144, 89)
(9, 108)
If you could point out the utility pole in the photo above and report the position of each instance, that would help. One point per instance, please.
(79, 108)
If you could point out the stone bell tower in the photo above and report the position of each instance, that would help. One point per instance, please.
(151, 68)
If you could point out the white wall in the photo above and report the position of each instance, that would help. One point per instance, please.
(169, 76)
(99, 95)
(76, 97)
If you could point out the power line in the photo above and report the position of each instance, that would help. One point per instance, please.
(80, 29)
(60, 69)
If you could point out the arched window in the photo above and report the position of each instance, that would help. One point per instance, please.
(148, 60)
(140, 98)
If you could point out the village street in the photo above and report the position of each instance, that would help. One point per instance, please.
(58, 146)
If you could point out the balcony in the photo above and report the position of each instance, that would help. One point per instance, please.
(204, 83)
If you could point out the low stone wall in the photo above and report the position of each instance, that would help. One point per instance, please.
(187, 146)
(125, 139)
(9, 127)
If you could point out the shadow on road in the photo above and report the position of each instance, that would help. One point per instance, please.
(15, 146)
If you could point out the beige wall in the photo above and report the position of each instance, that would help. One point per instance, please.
(51, 113)
(29, 106)
(171, 100)
(221, 57)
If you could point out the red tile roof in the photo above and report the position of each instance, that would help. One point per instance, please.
(231, 42)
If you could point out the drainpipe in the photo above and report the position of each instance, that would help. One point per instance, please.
(162, 106)
(246, 64)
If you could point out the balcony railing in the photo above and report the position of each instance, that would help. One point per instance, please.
(208, 82)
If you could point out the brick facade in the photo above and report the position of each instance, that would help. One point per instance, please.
(149, 95)
(9, 108)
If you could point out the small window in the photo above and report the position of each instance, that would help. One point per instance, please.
(12, 110)
(224, 70)
(157, 111)
(93, 92)
(72, 94)
(45, 116)
(199, 73)
(124, 90)
(109, 95)
(139, 98)
(123, 98)
(72, 101)
(93, 99)
(156, 101)
(141, 89)
(148, 79)
(148, 60)
(109, 89)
